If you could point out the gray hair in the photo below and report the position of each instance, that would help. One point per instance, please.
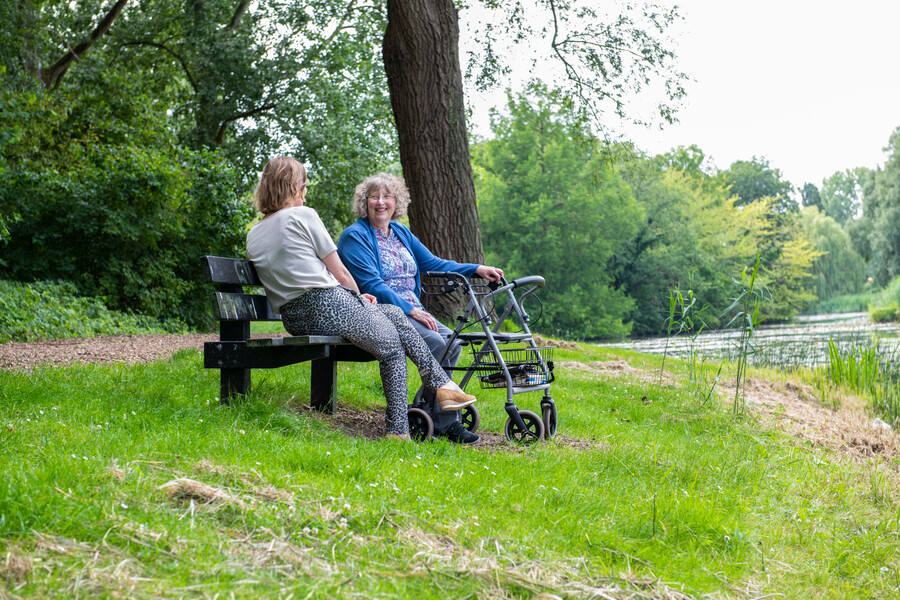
(382, 182)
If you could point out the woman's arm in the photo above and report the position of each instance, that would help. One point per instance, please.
(336, 267)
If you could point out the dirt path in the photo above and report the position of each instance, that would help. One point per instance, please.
(790, 407)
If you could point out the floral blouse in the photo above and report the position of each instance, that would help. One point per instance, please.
(398, 267)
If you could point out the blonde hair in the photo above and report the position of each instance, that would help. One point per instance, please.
(282, 180)
(391, 184)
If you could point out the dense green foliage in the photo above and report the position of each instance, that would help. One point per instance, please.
(46, 311)
(551, 204)
(118, 171)
(878, 233)
(615, 231)
(123, 221)
(752, 180)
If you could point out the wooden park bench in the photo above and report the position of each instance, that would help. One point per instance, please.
(235, 354)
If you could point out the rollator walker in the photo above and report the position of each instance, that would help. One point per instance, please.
(500, 360)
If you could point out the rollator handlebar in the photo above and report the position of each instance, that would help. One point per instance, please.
(535, 280)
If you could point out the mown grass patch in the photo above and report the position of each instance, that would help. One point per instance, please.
(135, 482)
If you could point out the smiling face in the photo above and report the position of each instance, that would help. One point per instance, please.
(381, 208)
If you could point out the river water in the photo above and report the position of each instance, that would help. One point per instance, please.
(802, 342)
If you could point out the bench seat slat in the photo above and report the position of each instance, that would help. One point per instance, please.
(297, 340)
(240, 355)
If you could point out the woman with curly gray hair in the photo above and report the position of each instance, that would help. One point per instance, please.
(386, 260)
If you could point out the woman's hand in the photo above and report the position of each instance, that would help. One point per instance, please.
(489, 273)
(370, 298)
(424, 318)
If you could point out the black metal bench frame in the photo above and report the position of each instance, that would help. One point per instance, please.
(235, 354)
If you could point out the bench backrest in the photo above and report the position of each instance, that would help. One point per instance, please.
(230, 303)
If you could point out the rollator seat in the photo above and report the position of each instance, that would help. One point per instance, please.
(500, 338)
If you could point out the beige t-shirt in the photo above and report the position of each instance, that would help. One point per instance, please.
(286, 248)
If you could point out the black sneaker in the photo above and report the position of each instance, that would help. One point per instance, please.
(458, 434)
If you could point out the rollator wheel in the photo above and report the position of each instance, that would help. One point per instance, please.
(548, 416)
(533, 432)
(471, 418)
(421, 427)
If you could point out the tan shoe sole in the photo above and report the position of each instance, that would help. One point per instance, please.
(451, 400)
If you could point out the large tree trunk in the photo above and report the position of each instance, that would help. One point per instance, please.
(421, 57)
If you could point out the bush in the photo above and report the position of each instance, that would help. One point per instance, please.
(126, 224)
(885, 314)
(53, 310)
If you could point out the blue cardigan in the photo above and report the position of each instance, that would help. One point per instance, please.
(358, 249)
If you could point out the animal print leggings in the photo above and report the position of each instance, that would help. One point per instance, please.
(381, 329)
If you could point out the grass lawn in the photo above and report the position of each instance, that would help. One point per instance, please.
(133, 481)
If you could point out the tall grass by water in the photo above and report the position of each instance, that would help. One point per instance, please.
(133, 481)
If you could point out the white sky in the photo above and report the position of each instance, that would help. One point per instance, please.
(809, 85)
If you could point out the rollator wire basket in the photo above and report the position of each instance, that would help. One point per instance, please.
(527, 367)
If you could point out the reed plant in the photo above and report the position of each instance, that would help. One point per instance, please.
(745, 310)
(870, 372)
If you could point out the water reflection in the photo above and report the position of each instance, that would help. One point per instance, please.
(803, 342)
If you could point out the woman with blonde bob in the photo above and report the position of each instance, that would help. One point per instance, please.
(386, 259)
(307, 283)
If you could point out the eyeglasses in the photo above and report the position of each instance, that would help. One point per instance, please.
(377, 196)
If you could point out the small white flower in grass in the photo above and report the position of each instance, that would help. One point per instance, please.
(40, 411)
(84, 457)
(133, 413)
(74, 456)
(555, 490)
(29, 420)
(485, 467)
(436, 467)
(343, 524)
(495, 491)
(241, 431)
(258, 464)
(427, 511)
(373, 485)
(306, 530)
(201, 420)
(471, 472)
(418, 457)
(328, 453)
(346, 506)
(340, 470)
(123, 505)
(492, 473)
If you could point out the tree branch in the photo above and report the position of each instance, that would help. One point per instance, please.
(238, 13)
(178, 57)
(249, 113)
(51, 75)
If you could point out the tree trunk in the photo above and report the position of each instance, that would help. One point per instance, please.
(421, 58)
